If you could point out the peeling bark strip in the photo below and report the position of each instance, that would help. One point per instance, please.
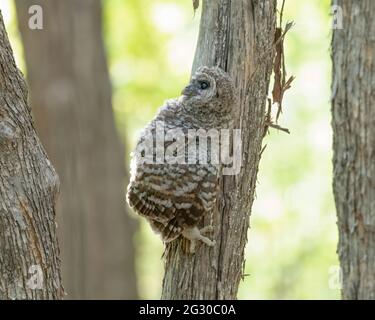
(353, 121)
(233, 35)
(29, 252)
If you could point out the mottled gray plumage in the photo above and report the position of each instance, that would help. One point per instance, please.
(174, 197)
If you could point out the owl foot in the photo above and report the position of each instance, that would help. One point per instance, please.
(206, 229)
(194, 235)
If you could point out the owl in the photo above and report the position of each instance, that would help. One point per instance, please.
(174, 194)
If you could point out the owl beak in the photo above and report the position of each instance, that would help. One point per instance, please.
(190, 91)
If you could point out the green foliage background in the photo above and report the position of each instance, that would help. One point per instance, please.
(291, 253)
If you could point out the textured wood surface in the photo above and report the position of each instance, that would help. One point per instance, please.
(28, 189)
(353, 121)
(237, 36)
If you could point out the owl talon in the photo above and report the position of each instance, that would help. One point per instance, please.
(194, 234)
(206, 229)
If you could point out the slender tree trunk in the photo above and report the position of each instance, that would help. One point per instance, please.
(29, 252)
(238, 36)
(71, 96)
(353, 120)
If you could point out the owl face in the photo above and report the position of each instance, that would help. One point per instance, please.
(209, 88)
(201, 89)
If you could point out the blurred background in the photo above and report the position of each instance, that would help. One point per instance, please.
(291, 250)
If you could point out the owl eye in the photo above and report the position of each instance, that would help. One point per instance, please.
(203, 85)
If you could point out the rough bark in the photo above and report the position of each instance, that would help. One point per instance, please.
(28, 190)
(353, 121)
(238, 36)
(71, 98)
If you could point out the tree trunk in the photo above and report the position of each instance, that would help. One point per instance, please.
(354, 146)
(71, 96)
(29, 252)
(237, 36)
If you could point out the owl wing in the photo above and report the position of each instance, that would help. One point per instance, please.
(173, 197)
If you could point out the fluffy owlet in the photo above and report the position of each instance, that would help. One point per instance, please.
(173, 193)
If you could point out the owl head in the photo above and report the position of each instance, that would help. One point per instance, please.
(210, 90)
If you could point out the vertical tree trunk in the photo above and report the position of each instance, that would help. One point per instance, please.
(29, 252)
(238, 36)
(71, 96)
(353, 124)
